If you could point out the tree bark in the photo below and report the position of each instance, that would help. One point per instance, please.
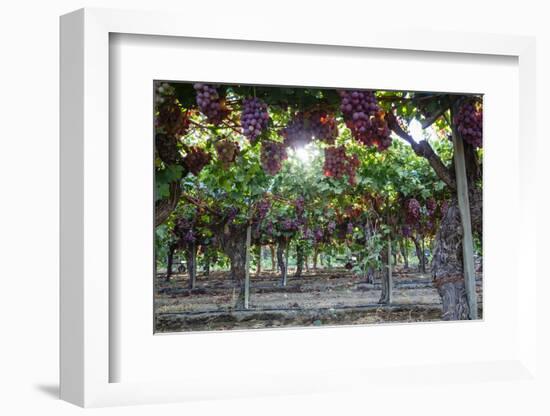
(419, 254)
(170, 261)
(404, 253)
(258, 260)
(447, 266)
(207, 264)
(192, 264)
(282, 261)
(272, 251)
(164, 207)
(386, 295)
(299, 259)
(233, 244)
(315, 257)
(247, 267)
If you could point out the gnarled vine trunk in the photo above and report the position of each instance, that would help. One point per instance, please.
(258, 260)
(272, 251)
(420, 254)
(299, 260)
(404, 253)
(170, 261)
(447, 262)
(233, 244)
(282, 260)
(386, 295)
(191, 252)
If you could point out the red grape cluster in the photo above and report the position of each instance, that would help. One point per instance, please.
(227, 151)
(262, 208)
(268, 229)
(431, 206)
(318, 235)
(231, 213)
(306, 126)
(288, 225)
(167, 148)
(307, 234)
(338, 163)
(196, 159)
(406, 231)
(170, 119)
(210, 103)
(272, 156)
(469, 122)
(184, 230)
(299, 206)
(254, 118)
(365, 119)
(413, 211)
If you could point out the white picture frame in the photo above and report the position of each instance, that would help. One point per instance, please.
(86, 356)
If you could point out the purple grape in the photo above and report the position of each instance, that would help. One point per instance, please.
(210, 103)
(254, 118)
(365, 119)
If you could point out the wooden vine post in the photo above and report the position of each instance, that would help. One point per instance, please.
(464, 208)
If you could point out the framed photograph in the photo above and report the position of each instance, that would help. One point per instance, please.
(291, 212)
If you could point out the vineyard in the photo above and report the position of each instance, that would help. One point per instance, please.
(281, 207)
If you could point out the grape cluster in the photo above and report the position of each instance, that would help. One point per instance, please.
(272, 156)
(319, 235)
(269, 229)
(431, 206)
(349, 229)
(413, 211)
(406, 231)
(331, 227)
(210, 103)
(167, 148)
(254, 118)
(299, 206)
(170, 119)
(231, 213)
(338, 163)
(262, 208)
(365, 119)
(227, 151)
(307, 234)
(306, 126)
(184, 230)
(196, 159)
(288, 225)
(469, 122)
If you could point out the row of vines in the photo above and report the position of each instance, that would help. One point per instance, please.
(307, 172)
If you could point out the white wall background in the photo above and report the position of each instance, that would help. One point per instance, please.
(29, 205)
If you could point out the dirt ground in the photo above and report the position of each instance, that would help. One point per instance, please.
(323, 297)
